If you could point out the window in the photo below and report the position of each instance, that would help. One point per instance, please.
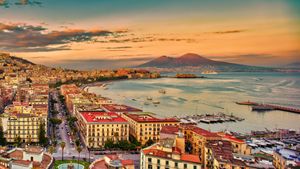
(167, 163)
(158, 161)
(176, 164)
(149, 160)
(185, 166)
(149, 166)
(195, 167)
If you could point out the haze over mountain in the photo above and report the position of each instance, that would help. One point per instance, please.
(196, 61)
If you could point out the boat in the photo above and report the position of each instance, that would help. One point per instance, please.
(149, 98)
(209, 72)
(262, 108)
(146, 103)
(156, 102)
(163, 91)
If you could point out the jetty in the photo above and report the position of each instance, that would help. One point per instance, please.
(268, 107)
(208, 118)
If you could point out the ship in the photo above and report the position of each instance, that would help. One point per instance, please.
(209, 72)
(262, 108)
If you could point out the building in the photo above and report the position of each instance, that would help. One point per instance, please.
(144, 126)
(112, 162)
(98, 127)
(198, 137)
(169, 153)
(28, 158)
(286, 158)
(239, 146)
(118, 108)
(219, 154)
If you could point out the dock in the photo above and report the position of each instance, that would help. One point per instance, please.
(208, 118)
(270, 106)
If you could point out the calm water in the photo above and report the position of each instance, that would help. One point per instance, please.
(217, 93)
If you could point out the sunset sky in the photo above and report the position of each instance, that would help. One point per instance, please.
(118, 33)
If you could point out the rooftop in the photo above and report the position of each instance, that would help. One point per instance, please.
(202, 132)
(102, 117)
(120, 108)
(170, 129)
(145, 117)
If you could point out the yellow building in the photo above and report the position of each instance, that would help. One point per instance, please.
(169, 153)
(144, 126)
(198, 137)
(286, 158)
(98, 127)
(219, 154)
(238, 145)
(24, 127)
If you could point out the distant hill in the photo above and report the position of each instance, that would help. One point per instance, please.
(192, 60)
(293, 65)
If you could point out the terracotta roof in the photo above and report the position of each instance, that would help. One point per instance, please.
(127, 162)
(120, 108)
(232, 138)
(202, 132)
(102, 117)
(169, 129)
(144, 118)
(190, 158)
(22, 162)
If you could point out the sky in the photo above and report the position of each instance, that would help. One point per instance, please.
(121, 33)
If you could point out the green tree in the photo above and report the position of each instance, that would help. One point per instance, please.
(42, 134)
(62, 145)
(2, 139)
(18, 141)
(148, 143)
(79, 149)
(55, 121)
(109, 144)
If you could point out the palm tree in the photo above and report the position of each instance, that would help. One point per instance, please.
(51, 149)
(62, 145)
(79, 149)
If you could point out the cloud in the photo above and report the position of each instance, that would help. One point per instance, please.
(230, 31)
(88, 64)
(145, 39)
(25, 38)
(7, 3)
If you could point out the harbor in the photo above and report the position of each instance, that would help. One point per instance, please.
(268, 107)
(208, 118)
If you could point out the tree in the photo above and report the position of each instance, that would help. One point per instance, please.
(62, 145)
(77, 142)
(148, 143)
(18, 141)
(51, 149)
(188, 146)
(79, 149)
(54, 113)
(55, 121)
(42, 134)
(109, 144)
(2, 139)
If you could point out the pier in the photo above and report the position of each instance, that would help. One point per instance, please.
(208, 118)
(270, 106)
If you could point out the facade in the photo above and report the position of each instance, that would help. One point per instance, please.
(21, 120)
(286, 158)
(144, 126)
(219, 154)
(239, 146)
(198, 137)
(169, 153)
(98, 127)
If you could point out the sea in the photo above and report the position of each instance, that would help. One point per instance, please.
(216, 93)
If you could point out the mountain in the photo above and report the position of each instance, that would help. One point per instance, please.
(293, 65)
(196, 61)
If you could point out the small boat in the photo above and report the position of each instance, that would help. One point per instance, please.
(156, 102)
(262, 108)
(149, 98)
(162, 91)
(146, 103)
